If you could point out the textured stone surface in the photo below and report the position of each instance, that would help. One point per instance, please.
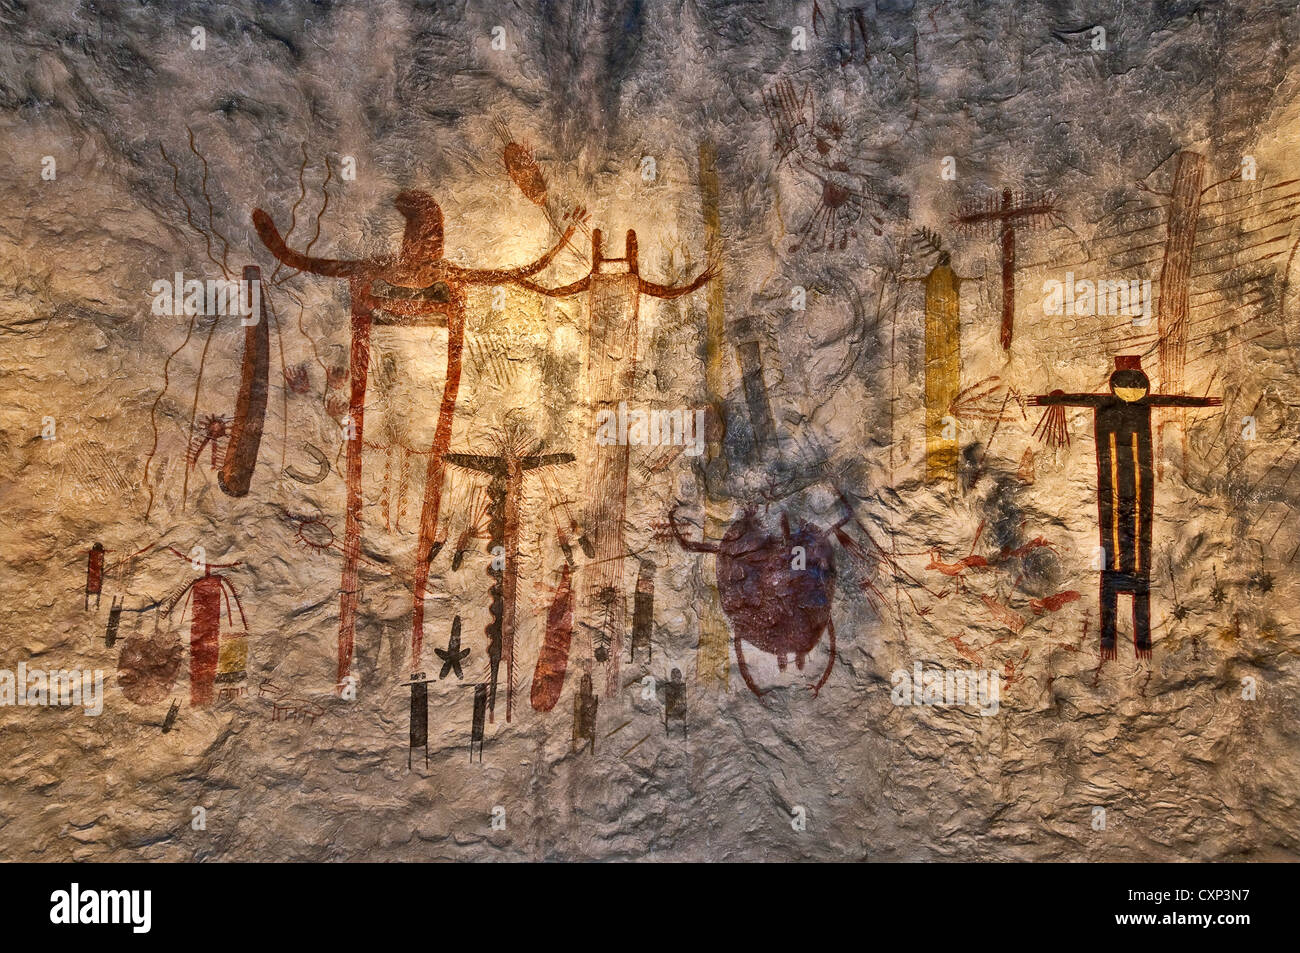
(1016, 93)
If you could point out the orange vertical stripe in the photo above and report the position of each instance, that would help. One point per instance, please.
(1137, 508)
(1114, 504)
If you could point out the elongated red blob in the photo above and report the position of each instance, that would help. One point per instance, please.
(553, 661)
(1053, 603)
(250, 406)
(525, 173)
(205, 629)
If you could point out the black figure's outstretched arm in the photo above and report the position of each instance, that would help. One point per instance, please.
(1179, 400)
(1062, 399)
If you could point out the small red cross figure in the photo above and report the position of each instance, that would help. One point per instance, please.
(1125, 489)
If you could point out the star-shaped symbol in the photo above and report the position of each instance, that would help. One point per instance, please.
(452, 656)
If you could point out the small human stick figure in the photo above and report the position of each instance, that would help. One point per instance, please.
(95, 574)
(1125, 489)
(170, 721)
(419, 718)
(675, 701)
(643, 610)
(476, 731)
(585, 705)
(114, 621)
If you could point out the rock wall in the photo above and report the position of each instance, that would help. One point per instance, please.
(868, 238)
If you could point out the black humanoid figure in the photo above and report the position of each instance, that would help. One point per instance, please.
(476, 731)
(1125, 489)
(675, 701)
(585, 706)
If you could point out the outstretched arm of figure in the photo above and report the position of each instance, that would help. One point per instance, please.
(689, 545)
(330, 267)
(242, 618)
(1178, 400)
(1059, 398)
(496, 276)
(409, 312)
(547, 460)
(565, 291)
(666, 291)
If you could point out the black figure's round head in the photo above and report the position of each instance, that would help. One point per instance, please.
(1129, 384)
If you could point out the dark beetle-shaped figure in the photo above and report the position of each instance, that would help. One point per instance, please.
(770, 602)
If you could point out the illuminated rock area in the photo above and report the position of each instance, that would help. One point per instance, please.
(669, 431)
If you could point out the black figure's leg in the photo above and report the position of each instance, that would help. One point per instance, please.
(1109, 597)
(1142, 619)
